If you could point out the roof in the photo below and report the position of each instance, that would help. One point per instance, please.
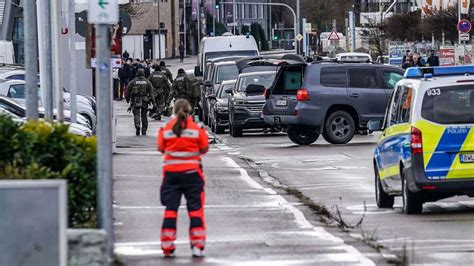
(353, 54)
(225, 63)
(227, 82)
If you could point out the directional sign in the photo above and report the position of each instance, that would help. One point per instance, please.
(299, 37)
(464, 26)
(307, 28)
(334, 36)
(103, 12)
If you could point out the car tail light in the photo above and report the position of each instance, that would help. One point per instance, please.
(267, 94)
(416, 141)
(433, 187)
(296, 112)
(302, 95)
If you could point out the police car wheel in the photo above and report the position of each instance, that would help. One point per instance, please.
(339, 128)
(412, 202)
(383, 199)
(302, 135)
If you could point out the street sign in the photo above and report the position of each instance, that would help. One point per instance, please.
(307, 28)
(464, 26)
(334, 36)
(299, 37)
(464, 37)
(103, 12)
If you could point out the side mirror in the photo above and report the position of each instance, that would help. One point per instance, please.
(255, 89)
(212, 97)
(208, 83)
(375, 125)
(229, 91)
(197, 71)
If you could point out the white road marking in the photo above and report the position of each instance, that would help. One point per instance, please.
(263, 205)
(300, 219)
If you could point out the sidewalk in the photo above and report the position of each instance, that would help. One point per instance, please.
(247, 221)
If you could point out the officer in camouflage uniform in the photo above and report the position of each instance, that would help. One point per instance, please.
(160, 86)
(139, 94)
(183, 88)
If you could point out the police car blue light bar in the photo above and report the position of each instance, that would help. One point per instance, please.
(419, 72)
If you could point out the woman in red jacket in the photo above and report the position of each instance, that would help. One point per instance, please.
(182, 143)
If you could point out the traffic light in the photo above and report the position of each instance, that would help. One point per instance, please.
(275, 38)
(217, 4)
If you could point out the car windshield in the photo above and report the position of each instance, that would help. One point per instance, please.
(227, 72)
(222, 93)
(18, 91)
(265, 80)
(211, 55)
(449, 105)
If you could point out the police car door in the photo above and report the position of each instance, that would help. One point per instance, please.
(394, 146)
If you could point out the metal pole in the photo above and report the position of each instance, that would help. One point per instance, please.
(31, 59)
(214, 21)
(199, 23)
(298, 26)
(71, 20)
(352, 26)
(459, 19)
(104, 133)
(185, 28)
(233, 14)
(45, 57)
(159, 30)
(56, 60)
(304, 36)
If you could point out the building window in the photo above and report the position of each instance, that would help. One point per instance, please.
(250, 14)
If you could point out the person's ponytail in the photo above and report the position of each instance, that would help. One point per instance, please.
(181, 111)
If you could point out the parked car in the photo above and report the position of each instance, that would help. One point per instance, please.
(246, 101)
(16, 89)
(221, 71)
(332, 99)
(19, 110)
(219, 107)
(74, 128)
(224, 46)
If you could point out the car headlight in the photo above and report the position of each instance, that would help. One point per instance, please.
(240, 102)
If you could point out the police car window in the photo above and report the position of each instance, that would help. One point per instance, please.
(331, 77)
(363, 78)
(391, 78)
(449, 105)
(228, 72)
(394, 107)
(404, 106)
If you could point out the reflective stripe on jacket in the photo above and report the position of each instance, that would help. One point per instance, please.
(182, 153)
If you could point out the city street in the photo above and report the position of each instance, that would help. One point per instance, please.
(266, 199)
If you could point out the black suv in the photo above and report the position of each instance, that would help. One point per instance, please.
(332, 99)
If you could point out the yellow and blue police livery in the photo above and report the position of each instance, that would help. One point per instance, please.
(426, 150)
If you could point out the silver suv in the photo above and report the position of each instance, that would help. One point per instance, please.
(332, 99)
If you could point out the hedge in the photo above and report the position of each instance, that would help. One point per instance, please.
(41, 150)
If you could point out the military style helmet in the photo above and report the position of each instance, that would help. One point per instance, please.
(140, 73)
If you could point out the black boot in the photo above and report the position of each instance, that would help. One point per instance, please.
(143, 133)
(138, 131)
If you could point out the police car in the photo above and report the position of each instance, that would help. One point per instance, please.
(426, 150)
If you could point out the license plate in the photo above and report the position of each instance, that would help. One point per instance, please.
(276, 120)
(467, 158)
(281, 102)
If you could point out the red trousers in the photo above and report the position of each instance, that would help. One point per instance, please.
(191, 185)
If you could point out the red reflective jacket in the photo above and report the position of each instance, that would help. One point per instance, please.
(182, 153)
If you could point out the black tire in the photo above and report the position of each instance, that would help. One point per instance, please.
(339, 128)
(235, 131)
(412, 201)
(302, 135)
(383, 199)
(219, 129)
(201, 118)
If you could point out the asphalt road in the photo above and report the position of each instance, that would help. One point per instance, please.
(341, 179)
(249, 222)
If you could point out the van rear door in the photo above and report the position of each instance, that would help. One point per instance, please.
(281, 98)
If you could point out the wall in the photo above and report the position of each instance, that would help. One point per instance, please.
(134, 45)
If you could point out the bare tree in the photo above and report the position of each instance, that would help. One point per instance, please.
(133, 9)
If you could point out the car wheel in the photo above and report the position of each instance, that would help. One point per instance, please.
(302, 135)
(412, 201)
(339, 128)
(235, 131)
(89, 119)
(219, 130)
(383, 199)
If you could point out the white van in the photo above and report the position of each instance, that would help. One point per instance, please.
(7, 54)
(225, 46)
